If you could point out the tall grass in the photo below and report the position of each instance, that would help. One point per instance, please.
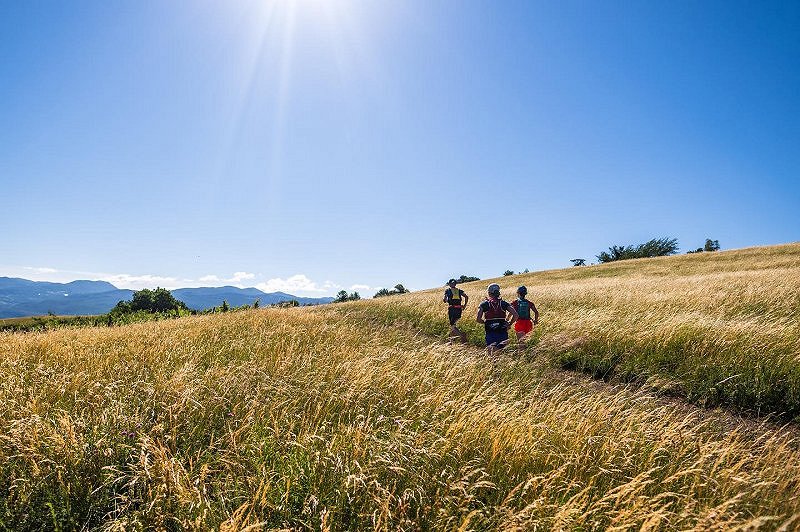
(717, 328)
(345, 418)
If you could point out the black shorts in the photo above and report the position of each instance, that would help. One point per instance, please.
(453, 314)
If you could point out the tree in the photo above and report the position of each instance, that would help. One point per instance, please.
(398, 289)
(657, 247)
(343, 296)
(158, 300)
(467, 279)
(578, 262)
(711, 245)
(507, 273)
(225, 307)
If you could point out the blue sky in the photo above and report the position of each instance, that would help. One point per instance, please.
(312, 145)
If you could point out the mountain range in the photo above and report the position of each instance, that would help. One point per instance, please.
(21, 297)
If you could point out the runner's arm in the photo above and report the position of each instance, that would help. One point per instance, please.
(479, 318)
(466, 298)
(535, 314)
(514, 316)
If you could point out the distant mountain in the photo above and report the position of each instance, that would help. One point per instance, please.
(203, 298)
(21, 297)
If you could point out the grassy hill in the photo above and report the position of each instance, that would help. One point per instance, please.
(360, 416)
(717, 328)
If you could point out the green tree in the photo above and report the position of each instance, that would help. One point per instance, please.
(467, 279)
(657, 247)
(341, 297)
(578, 262)
(158, 300)
(508, 272)
(711, 245)
(398, 289)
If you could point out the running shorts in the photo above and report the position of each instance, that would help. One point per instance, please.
(523, 326)
(453, 314)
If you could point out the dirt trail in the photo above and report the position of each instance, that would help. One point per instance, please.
(727, 418)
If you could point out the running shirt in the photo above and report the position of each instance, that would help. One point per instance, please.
(494, 312)
(454, 297)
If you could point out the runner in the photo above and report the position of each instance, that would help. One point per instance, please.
(524, 325)
(453, 297)
(492, 314)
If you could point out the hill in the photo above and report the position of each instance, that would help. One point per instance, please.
(21, 297)
(359, 416)
(716, 328)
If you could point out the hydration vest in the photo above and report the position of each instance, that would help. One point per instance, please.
(455, 298)
(524, 309)
(495, 316)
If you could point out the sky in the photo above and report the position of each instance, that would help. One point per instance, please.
(311, 146)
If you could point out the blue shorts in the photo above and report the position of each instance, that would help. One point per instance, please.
(499, 338)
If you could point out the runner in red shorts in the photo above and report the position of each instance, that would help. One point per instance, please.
(524, 324)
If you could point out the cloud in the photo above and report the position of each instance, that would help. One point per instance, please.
(138, 282)
(360, 287)
(296, 283)
(41, 270)
(235, 279)
(120, 280)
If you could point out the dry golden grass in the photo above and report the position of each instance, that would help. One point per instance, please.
(718, 328)
(348, 417)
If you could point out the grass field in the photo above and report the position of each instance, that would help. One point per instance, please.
(717, 328)
(359, 416)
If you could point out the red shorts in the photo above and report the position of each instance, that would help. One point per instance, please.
(523, 326)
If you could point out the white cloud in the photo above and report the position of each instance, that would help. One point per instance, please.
(138, 282)
(235, 279)
(41, 270)
(120, 280)
(296, 285)
(360, 287)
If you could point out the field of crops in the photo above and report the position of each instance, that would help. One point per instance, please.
(360, 416)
